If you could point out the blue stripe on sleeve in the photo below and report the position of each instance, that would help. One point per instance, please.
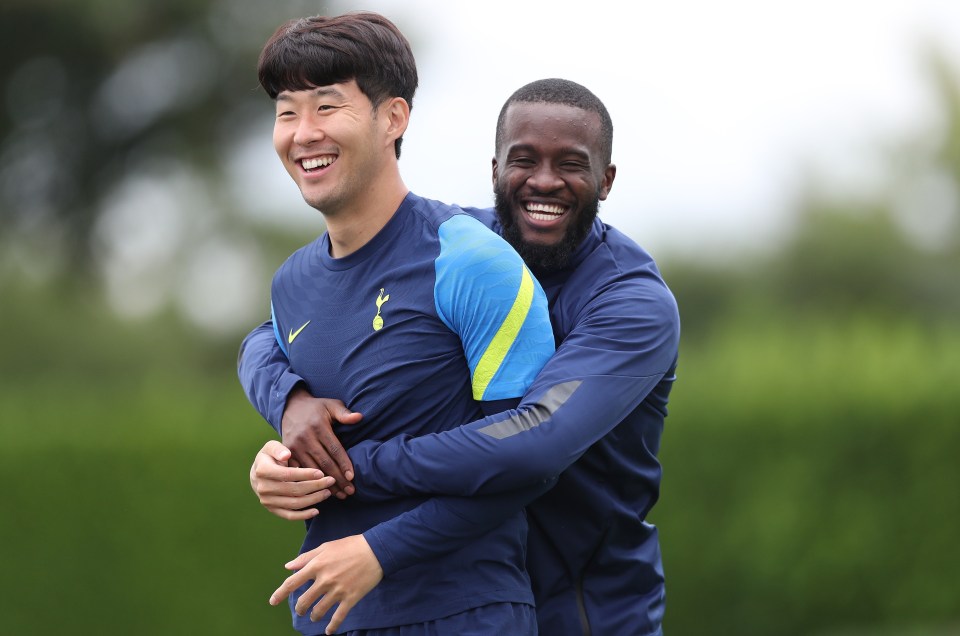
(485, 294)
(276, 331)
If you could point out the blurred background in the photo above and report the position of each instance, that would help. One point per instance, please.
(794, 167)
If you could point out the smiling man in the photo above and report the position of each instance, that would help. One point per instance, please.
(594, 414)
(405, 307)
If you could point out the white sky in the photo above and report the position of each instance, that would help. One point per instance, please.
(718, 107)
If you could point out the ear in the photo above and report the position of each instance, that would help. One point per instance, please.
(494, 167)
(609, 174)
(396, 113)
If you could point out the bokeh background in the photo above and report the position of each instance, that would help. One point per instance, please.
(793, 166)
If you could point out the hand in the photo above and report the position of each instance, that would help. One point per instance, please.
(342, 571)
(308, 432)
(287, 492)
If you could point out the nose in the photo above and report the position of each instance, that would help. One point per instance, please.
(544, 179)
(308, 131)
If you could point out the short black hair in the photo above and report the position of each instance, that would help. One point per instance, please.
(322, 50)
(560, 91)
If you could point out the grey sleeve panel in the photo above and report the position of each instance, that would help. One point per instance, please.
(538, 413)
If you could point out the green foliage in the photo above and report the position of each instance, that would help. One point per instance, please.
(807, 472)
(809, 456)
(126, 459)
(808, 469)
(108, 91)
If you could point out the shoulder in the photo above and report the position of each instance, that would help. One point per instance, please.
(464, 232)
(299, 260)
(621, 276)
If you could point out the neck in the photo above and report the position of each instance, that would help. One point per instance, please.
(351, 227)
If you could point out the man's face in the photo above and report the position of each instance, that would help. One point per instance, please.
(548, 180)
(329, 141)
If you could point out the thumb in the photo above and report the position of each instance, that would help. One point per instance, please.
(277, 451)
(346, 416)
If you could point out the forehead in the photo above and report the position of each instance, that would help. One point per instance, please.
(343, 91)
(551, 127)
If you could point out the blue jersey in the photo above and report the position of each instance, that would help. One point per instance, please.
(595, 414)
(432, 317)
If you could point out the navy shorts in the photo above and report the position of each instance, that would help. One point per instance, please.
(496, 619)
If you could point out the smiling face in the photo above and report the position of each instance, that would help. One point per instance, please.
(332, 143)
(549, 176)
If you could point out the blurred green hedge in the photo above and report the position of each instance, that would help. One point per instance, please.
(810, 479)
(809, 486)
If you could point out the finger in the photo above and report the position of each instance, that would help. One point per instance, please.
(329, 467)
(339, 411)
(322, 607)
(294, 503)
(279, 488)
(308, 598)
(338, 616)
(314, 455)
(291, 583)
(302, 559)
(294, 515)
(276, 450)
(276, 472)
(336, 453)
(349, 417)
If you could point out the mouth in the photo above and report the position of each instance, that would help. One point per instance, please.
(315, 164)
(545, 212)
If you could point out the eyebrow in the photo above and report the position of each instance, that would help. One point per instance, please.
(532, 148)
(320, 91)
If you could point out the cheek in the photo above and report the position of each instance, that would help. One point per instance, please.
(510, 182)
(278, 144)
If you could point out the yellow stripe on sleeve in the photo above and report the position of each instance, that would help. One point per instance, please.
(497, 350)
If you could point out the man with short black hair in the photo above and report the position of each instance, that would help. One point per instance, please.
(594, 413)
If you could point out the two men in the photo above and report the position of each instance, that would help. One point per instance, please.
(594, 413)
(404, 308)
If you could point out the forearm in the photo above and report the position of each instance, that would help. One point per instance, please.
(602, 371)
(265, 374)
(444, 524)
(535, 442)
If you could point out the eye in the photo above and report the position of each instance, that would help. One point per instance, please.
(326, 108)
(285, 114)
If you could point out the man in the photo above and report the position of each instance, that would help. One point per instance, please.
(405, 307)
(595, 411)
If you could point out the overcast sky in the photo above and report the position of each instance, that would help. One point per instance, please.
(718, 108)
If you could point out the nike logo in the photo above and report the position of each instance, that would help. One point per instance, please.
(293, 334)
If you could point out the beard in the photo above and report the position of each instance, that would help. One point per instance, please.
(544, 259)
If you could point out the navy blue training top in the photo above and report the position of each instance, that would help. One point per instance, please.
(595, 412)
(415, 329)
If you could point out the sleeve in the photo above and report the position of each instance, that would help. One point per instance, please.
(265, 373)
(486, 295)
(625, 343)
(443, 524)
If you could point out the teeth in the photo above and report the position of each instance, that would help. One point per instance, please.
(544, 212)
(317, 162)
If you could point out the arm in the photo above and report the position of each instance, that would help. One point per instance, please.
(345, 570)
(265, 374)
(304, 422)
(623, 346)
